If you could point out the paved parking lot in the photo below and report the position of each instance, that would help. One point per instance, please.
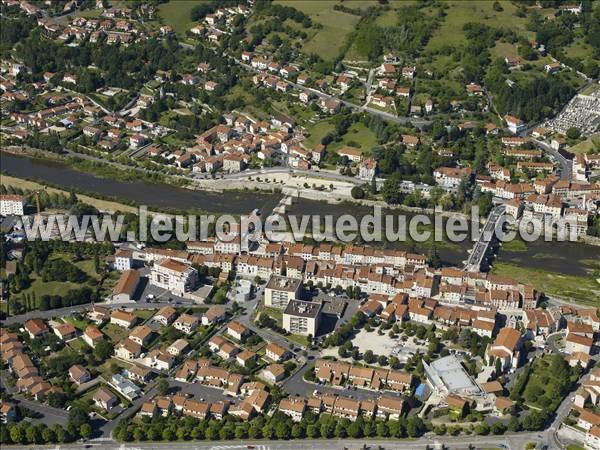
(198, 391)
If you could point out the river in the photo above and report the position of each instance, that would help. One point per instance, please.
(140, 192)
(568, 258)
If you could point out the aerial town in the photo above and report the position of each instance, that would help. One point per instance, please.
(262, 108)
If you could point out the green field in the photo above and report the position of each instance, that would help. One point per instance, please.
(582, 289)
(79, 324)
(105, 368)
(358, 135)
(176, 13)
(461, 12)
(516, 245)
(40, 287)
(298, 339)
(317, 131)
(328, 40)
(273, 313)
(144, 314)
(590, 145)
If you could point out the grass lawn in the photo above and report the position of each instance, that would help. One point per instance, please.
(327, 41)
(579, 48)
(176, 13)
(316, 132)
(115, 332)
(78, 345)
(582, 289)
(590, 89)
(39, 287)
(87, 265)
(590, 145)
(388, 18)
(105, 368)
(273, 313)
(461, 12)
(516, 245)
(359, 136)
(79, 324)
(504, 49)
(89, 13)
(298, 339)
(144, 314)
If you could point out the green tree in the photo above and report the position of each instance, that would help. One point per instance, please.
(482, 428)
(498, 428)
(102, 350)
(355, 430)
(390, 190)
(168, 434)
(357, 192)
(414, 426)
(139, 434)
(33, 434)
(48, 435)
(513, 424)
(282, 430)
(573, 133)
(312, 431)
(382, 429)
(17, 435)
(162, 386)
(85, 431)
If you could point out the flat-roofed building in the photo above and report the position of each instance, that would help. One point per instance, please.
(280, 290)
(447, 376)
(302, 317)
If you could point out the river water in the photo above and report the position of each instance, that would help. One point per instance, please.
(565, 258)
(140, 192)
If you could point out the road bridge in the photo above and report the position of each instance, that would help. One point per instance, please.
(486, 237)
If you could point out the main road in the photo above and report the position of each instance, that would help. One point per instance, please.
(566, 165)
(513, 441)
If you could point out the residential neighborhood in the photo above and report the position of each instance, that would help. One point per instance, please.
(178, 185)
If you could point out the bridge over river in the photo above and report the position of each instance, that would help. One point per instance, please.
(485, 240)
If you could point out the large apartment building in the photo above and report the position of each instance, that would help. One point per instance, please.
(302, 317)
(281, 290)
(174, 276)
(12, 205)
